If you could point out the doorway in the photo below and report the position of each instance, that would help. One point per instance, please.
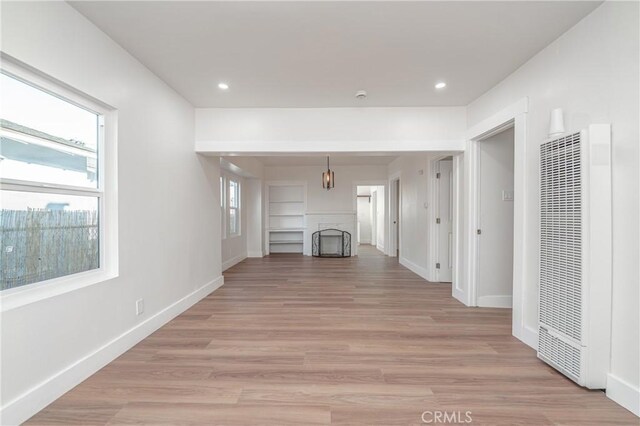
(370, 213)
(444, 220)
(496, 220)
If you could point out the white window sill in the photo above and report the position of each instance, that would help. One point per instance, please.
(21, 296)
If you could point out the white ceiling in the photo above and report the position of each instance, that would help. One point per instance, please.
(317, 54)
(336, 160)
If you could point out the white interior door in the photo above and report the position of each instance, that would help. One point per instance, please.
(444, 221)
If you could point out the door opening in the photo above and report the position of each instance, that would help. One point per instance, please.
(370, 209)
(496, 220)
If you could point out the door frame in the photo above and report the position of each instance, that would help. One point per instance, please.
(458, 273)
(514, 116)
(395, 206)
(434, 202)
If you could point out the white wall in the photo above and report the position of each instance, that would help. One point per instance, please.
(255, 130)
(364, 221)
(339, 199)
(495, 267)
(169, 229)
(254, 196)
(414, 218)
(378, 192)
(592, 73)
(234, 248)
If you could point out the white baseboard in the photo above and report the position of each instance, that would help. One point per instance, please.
(368, 242)
(255, 254)
(416, 269)
(380, 247)
(31, 402)
(623, 393)
(528, 336)
(458, 295)
(233, 261)
(495, 301)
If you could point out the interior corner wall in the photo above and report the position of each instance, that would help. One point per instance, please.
(591, 72)
(254, 196)
(234, 248)
(169, 232)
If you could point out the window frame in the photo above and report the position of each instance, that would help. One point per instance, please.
(105, 191)
(236, 208)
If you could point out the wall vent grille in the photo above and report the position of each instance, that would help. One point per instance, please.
(560, 354)
(561, 236)
(574, 323)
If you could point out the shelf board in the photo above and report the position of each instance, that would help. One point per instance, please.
(286, 242)
(286, 229)
(293, 201)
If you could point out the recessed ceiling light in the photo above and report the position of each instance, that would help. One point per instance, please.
(441, 85)
(223, 86)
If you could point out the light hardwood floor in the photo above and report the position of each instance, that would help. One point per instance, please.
(292, 340)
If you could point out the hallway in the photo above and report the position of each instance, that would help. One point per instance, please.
(298, 340)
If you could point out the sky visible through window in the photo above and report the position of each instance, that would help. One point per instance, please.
(27, 106)
(30, 156)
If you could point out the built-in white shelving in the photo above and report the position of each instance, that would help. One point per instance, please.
(285, 208)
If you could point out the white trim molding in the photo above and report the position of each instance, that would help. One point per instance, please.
(26, 405)
(416, 269)
(259, 147)
(255, 254)
(234, 261)
(623, 393)
(495, 301)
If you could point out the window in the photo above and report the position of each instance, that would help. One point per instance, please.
(234, 207)
(52, 191)
(223, 207)
(229, 206)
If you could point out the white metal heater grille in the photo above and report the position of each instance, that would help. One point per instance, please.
(561, 237)
(560, 354)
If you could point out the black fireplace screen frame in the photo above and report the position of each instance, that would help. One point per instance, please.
(316, 243)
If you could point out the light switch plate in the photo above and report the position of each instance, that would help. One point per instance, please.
(139, 306)
(507, 195)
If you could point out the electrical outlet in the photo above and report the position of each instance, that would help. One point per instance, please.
(139, 306)
(507, 195)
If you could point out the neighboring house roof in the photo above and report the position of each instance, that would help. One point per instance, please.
(42, 135)
(17, 143)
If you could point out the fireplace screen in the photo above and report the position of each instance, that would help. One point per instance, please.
(331, 243)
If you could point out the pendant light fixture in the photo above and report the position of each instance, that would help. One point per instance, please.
(328, 178)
